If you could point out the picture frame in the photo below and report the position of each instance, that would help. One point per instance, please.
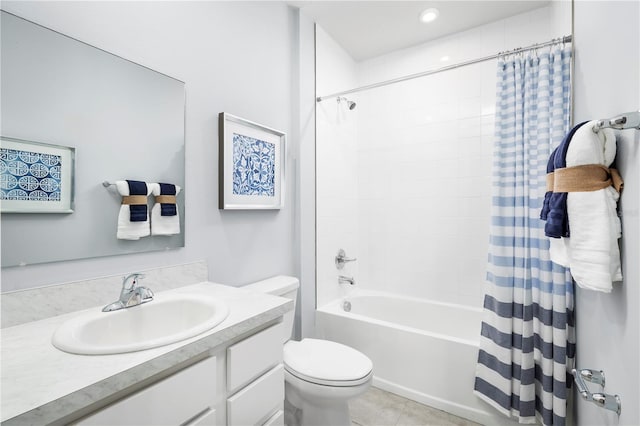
(251, 168)
(36, 177)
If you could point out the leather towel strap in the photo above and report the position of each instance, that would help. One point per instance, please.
(588, 177)
(134, 199)
(166, 199)
(616, 179)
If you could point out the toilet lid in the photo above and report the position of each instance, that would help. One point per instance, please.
(325, 362)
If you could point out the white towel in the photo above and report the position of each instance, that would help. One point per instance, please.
(128, 230)
(592, 251)
(559, 251)
(163, 225)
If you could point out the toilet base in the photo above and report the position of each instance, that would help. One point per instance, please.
(308, 404)
(335, 413)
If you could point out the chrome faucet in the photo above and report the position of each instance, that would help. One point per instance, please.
(131, 294)
(346, 280)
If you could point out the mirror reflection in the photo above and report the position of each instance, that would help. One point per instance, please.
(122, 120)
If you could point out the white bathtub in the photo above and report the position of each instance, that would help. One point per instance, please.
(422, 350)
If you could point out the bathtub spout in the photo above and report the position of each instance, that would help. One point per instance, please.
(346, 280)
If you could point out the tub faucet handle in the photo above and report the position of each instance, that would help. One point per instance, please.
(341, 259)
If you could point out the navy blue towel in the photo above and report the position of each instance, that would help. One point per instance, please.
(554, 207)
(138, 212)
(167, 209)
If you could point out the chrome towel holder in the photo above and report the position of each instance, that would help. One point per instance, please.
(606, 401)
(628, 120)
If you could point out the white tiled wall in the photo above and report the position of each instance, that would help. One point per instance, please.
(421, 171)
(336, 167)
(424, 157)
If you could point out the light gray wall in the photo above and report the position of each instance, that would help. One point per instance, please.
(607, 43)
(237, 57)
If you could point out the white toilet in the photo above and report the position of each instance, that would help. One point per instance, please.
(320, 376)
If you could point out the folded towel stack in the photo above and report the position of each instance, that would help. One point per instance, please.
(165, 218)
(592, 251)
(554, 210)
(133, 218)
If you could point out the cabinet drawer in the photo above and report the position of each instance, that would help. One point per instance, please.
(258, 401)
(253, 356)
(206, 419)
(276, 420)
(171, 401)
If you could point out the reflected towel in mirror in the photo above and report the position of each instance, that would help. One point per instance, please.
(165, 219)
(133, 218)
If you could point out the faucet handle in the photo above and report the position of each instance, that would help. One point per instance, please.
(134, 280)
(131, 295)
(341, 259)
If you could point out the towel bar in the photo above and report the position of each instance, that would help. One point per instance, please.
(608, 402)
(628, 120)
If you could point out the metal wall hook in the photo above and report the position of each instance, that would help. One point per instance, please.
(593, 376)
(608, 402)
(628, 120)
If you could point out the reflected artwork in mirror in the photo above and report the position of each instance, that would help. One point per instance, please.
(122, 120)
(35, 177)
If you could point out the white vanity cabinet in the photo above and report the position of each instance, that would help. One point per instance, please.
(229, 375)
(187, 397)
(198, 396)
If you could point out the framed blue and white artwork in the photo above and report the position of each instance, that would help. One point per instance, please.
(252, 162)
(35, 177)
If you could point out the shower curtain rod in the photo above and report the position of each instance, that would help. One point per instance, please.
(564, 39)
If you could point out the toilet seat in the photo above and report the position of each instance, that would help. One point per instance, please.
(326, 363)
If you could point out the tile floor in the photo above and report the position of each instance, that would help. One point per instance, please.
(380, 408)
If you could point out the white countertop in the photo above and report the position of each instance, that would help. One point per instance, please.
(41, 384)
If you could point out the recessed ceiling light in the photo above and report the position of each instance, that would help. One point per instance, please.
(429, 15)
(444, 59)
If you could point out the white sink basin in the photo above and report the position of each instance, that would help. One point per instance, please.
(166, 319)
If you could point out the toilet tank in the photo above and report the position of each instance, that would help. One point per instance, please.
(282, 286)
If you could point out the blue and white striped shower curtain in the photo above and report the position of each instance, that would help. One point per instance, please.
(527, 341)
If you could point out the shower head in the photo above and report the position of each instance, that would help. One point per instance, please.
(350, 104)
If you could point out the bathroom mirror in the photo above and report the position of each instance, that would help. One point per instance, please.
(123, 120)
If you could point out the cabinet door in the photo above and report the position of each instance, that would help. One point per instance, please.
(257, 402)
(171, 401)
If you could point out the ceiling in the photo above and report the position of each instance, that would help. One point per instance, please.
(367, 29)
